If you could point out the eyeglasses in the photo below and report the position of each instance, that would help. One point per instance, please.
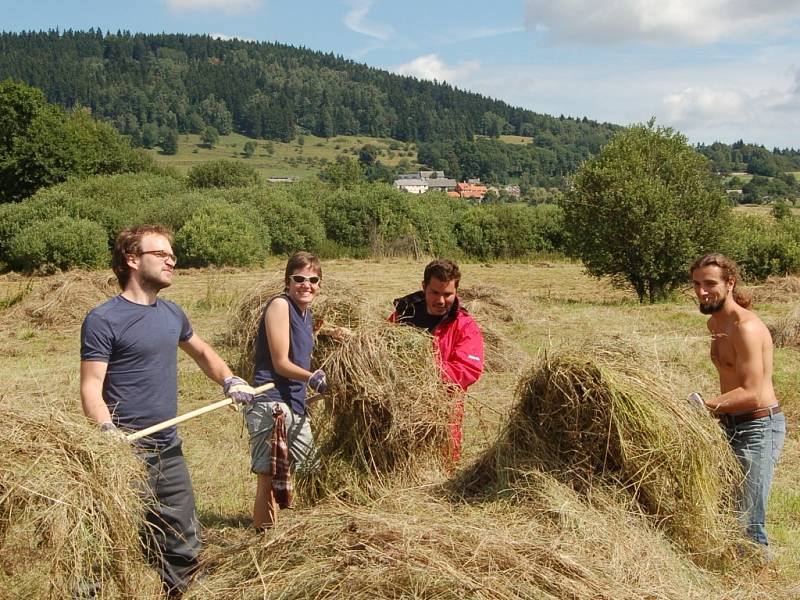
(312, 279)
(162, 254)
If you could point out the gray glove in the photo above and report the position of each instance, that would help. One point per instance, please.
(107, 428)
(318, 381)
(238, 390)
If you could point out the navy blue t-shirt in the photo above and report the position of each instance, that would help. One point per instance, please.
(301, 343)
(140, 344)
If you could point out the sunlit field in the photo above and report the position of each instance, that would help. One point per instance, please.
(553, 305)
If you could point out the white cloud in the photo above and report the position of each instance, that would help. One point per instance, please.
(229, 6)
(225, 37)
(692, 21)
(356, 19)
(431, 67)
(695, 105)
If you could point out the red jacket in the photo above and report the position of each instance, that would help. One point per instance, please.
(459, 342)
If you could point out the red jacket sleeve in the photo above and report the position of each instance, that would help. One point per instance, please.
(461, 354)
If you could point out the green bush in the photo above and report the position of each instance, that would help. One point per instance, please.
(222, 174)
(61, 243)
(15, 217)
(223, 235)
(479, 234)
(763, 247)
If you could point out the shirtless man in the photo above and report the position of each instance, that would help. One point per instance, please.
(741, 350)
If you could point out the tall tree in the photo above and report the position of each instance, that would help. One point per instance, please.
(643, 209)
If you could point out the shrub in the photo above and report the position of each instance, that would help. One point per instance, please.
(223, 235)
(61, 243)
(222, 173)
(763, 247)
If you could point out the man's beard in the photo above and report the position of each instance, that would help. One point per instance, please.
(709, 309)
(153, 284)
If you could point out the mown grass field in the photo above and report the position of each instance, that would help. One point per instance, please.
(305, 156)
(555, 305)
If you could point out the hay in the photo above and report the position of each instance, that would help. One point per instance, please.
(69, 512)
(501, 354)
(786, 330)
(385, 415)
(601, 421)
(62, 300)
(416, 546)
(777, 289)
(487, 303)
(337, 305)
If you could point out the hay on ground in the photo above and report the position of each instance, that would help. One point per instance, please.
(786, 330)
(603, 421)
(411, 545)
(501, 354)
(776, 289)
(337, 305)
(487, 303)
(69, 510)
(385, 415)
(63, 300)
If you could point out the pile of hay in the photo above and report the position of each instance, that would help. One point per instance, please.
(777, 289)
(385, 415)
(63, 300)
(786, 330)
(488, 307)
(337, 305)
(69, 510)
(606, 421)
(416, 546)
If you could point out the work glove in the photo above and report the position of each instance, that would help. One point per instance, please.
(696, 400)
(318, 381)
(107, 428)
(238, 390)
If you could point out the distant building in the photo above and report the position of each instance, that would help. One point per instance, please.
(281, 179)
(412, 186)
(471, 190)
(441, 184)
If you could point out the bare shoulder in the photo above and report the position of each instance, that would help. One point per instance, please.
(750, 326)
(278, 306)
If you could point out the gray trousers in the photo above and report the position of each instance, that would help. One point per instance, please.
(172, 533)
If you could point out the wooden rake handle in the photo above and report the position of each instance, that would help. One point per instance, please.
(191, 415)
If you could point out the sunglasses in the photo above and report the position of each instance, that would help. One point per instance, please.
(312, 279)
(162, 254)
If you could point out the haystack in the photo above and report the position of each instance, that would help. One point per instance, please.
(491, 311)
(598, 422)
(777, 289)
(69, 511)
(416, 546)
(786, 330)
(62, 300)
(385, 415)
(337, 305)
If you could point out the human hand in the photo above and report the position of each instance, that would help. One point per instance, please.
(238, 390)
(108, 429)
(318, 381)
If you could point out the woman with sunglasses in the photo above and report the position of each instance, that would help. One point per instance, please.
(283, 348)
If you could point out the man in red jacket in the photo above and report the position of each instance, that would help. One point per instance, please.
(458, 338)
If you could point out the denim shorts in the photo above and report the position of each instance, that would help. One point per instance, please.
(260, 421)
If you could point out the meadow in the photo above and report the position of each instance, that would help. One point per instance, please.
(304, 157)
(553, 305)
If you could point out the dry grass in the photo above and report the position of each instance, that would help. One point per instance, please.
(777, 289)
(786, 330)
(414, 545)
(603, 420)
(69, 510)
(62, 300)
(386, 413)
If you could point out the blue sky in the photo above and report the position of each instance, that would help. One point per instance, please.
(713, 69)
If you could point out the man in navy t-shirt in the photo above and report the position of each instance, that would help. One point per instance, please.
(129, 369)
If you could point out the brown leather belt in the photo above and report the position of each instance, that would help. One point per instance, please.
(731, 420)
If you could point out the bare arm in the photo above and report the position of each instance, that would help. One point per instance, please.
(93, 373)
(206, 358)
(747, 343)
(277, 325)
